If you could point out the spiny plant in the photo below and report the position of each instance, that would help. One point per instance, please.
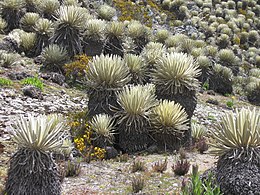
(205, 65)
(174, 72)
(139, 34)
(36, 138)
(253, 36)
(11, 11)
(227, 57)
(54, 57)
(43, 29)
(169, 122)
(252, 91)
(48, 7)
(239, 133)
(103, 130)
(152, 52)
(195, 52)
(135, 103)
(29, 20)
(95, 29)
(186, 45)
(106, 12)
(223, 41)
(114, 38)
(210, 50)
(108, 71)
(27, 42)
(220, 79)
(3, 25)
(66, 149)
(237, 142)
(161, 35)
(198, 131)
(106, 74)
(115, 29)
(175, 40)
(7, 60)
(135, 29)
(70, 23)
(137, 67)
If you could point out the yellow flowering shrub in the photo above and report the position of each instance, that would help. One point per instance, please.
(78, 123)
(76, 69)
(98, 153)
(82, 131)
(141, 11)
(133, 11)
(83, 144)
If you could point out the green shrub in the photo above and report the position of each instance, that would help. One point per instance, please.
(198, 186)
(5, 82)
(34, 81)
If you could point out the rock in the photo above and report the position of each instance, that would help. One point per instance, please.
(54, 77)
(32, 92)
(9, 44)
(111, 152)
(18, 75)
(58, 78)
(211, 92)
(211, 101)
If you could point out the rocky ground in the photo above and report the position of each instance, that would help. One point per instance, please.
(107, 176)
